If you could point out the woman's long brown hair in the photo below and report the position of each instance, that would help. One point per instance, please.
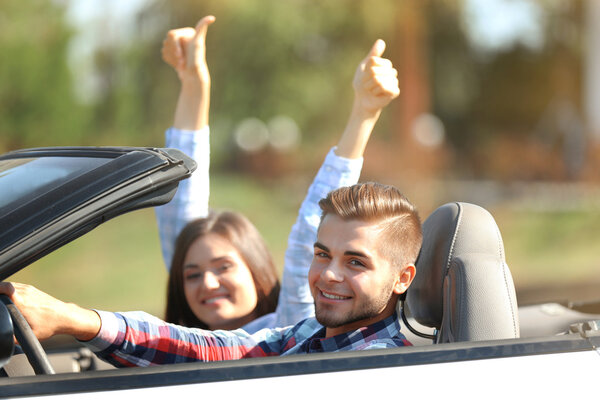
(242, 235)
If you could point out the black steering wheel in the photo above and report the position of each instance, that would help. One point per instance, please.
(29, 342)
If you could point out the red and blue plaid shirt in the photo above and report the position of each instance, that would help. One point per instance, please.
(139, 339)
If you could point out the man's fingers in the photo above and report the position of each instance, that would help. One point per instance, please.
(376, 80)
(377, 62)
(387, 84)
(377, 49)
(390, 91)
(380, 71)
(7, 288)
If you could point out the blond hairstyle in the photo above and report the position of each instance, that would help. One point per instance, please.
(373, 202)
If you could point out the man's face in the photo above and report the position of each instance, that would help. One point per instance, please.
(352, 283)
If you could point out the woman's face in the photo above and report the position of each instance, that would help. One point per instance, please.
(217, 283)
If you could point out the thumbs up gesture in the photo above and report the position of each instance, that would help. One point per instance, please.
(185, 50)
(376, 80)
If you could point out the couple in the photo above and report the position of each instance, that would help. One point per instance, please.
(367, 241)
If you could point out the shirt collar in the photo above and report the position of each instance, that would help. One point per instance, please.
(386, 328)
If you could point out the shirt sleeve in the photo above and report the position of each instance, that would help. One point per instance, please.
(295, 300)
(191, 200)
(140, 339)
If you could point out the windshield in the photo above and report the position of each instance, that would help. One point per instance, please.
(28, 178)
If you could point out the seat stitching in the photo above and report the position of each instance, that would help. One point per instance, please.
(456, 229)
(506, 285)
(451, 252)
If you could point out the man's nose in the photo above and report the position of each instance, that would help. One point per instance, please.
(333, 272)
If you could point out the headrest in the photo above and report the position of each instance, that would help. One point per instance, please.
(463, 286)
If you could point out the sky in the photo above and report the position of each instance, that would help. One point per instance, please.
(495, 24)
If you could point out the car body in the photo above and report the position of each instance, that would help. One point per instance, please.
(51, 196)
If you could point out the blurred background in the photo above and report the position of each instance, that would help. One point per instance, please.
(500, 106)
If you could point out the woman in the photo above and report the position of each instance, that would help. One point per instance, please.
(200, 280)
(222, 274)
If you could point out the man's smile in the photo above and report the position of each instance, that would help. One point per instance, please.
(332, 296)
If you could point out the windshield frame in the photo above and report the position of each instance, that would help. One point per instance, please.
(132, 178)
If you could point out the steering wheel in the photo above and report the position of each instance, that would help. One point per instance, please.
(29, 342)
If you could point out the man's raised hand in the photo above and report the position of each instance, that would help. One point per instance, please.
(376, 80)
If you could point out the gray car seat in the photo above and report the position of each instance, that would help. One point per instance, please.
(463, 287)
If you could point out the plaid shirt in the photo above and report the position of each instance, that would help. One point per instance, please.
(139, 339)
(191, 201)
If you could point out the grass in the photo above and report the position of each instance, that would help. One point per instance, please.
(551, 248)
(118, 266)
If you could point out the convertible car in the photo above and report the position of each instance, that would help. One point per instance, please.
(470, 338)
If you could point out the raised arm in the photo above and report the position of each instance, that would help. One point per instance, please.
(375, 85)
(184, 49)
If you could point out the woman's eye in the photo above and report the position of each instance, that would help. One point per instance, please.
(225, 267)
(192, 276)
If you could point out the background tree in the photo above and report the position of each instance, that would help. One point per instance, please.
(37, 103)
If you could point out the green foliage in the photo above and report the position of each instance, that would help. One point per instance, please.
(551, 247)
(295, 58)
(272, 57)
(484, 96)
(37, 104)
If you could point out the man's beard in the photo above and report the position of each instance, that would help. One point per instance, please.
(365, 310)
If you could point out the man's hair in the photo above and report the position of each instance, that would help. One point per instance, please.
(384, 205)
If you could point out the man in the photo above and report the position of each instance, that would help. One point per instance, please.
(367, 244)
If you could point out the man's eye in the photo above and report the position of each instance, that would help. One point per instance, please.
(357, 263)
(321, 254)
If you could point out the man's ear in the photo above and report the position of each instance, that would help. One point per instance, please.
(405, 278)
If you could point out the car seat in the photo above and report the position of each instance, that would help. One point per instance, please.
(463, 287)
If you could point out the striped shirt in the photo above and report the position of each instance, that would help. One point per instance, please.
(139, 339)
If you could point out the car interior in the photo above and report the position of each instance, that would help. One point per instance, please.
(463, 291)
(463, 287)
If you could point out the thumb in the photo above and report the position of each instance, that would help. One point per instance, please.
(202, 27)
(377, 49)
(198, 49)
